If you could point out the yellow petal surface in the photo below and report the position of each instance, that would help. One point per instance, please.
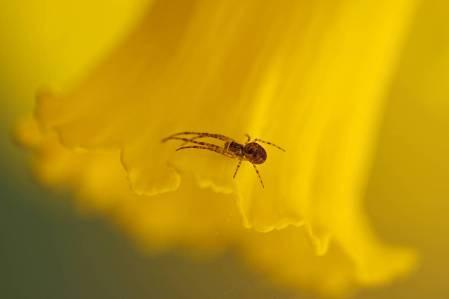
(309, 76)
(190, 217)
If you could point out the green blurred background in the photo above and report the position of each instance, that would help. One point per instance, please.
(48, 249)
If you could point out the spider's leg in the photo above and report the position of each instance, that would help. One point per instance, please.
(269, 143)
(248, 138)
(207, 135)
(193, 138)
(237, 168)
(187, 140)
(216, 136)
(216, 149)
(178, 134)
(258, 174)
(200, 135)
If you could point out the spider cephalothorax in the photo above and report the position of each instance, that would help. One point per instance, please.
(250, 151)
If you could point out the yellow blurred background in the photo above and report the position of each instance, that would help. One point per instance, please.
(51, 250)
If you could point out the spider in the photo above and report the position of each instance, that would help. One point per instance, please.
(250, 151)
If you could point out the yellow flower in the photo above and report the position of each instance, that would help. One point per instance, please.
(309, 76)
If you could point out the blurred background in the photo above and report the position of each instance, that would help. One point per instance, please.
(49, 249)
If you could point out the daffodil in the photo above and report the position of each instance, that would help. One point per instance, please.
(309, 76)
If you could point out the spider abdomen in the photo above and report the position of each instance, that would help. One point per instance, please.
(255, 153)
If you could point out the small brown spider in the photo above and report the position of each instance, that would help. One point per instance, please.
(251, 151)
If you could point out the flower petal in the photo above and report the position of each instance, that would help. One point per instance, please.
(308, 81)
